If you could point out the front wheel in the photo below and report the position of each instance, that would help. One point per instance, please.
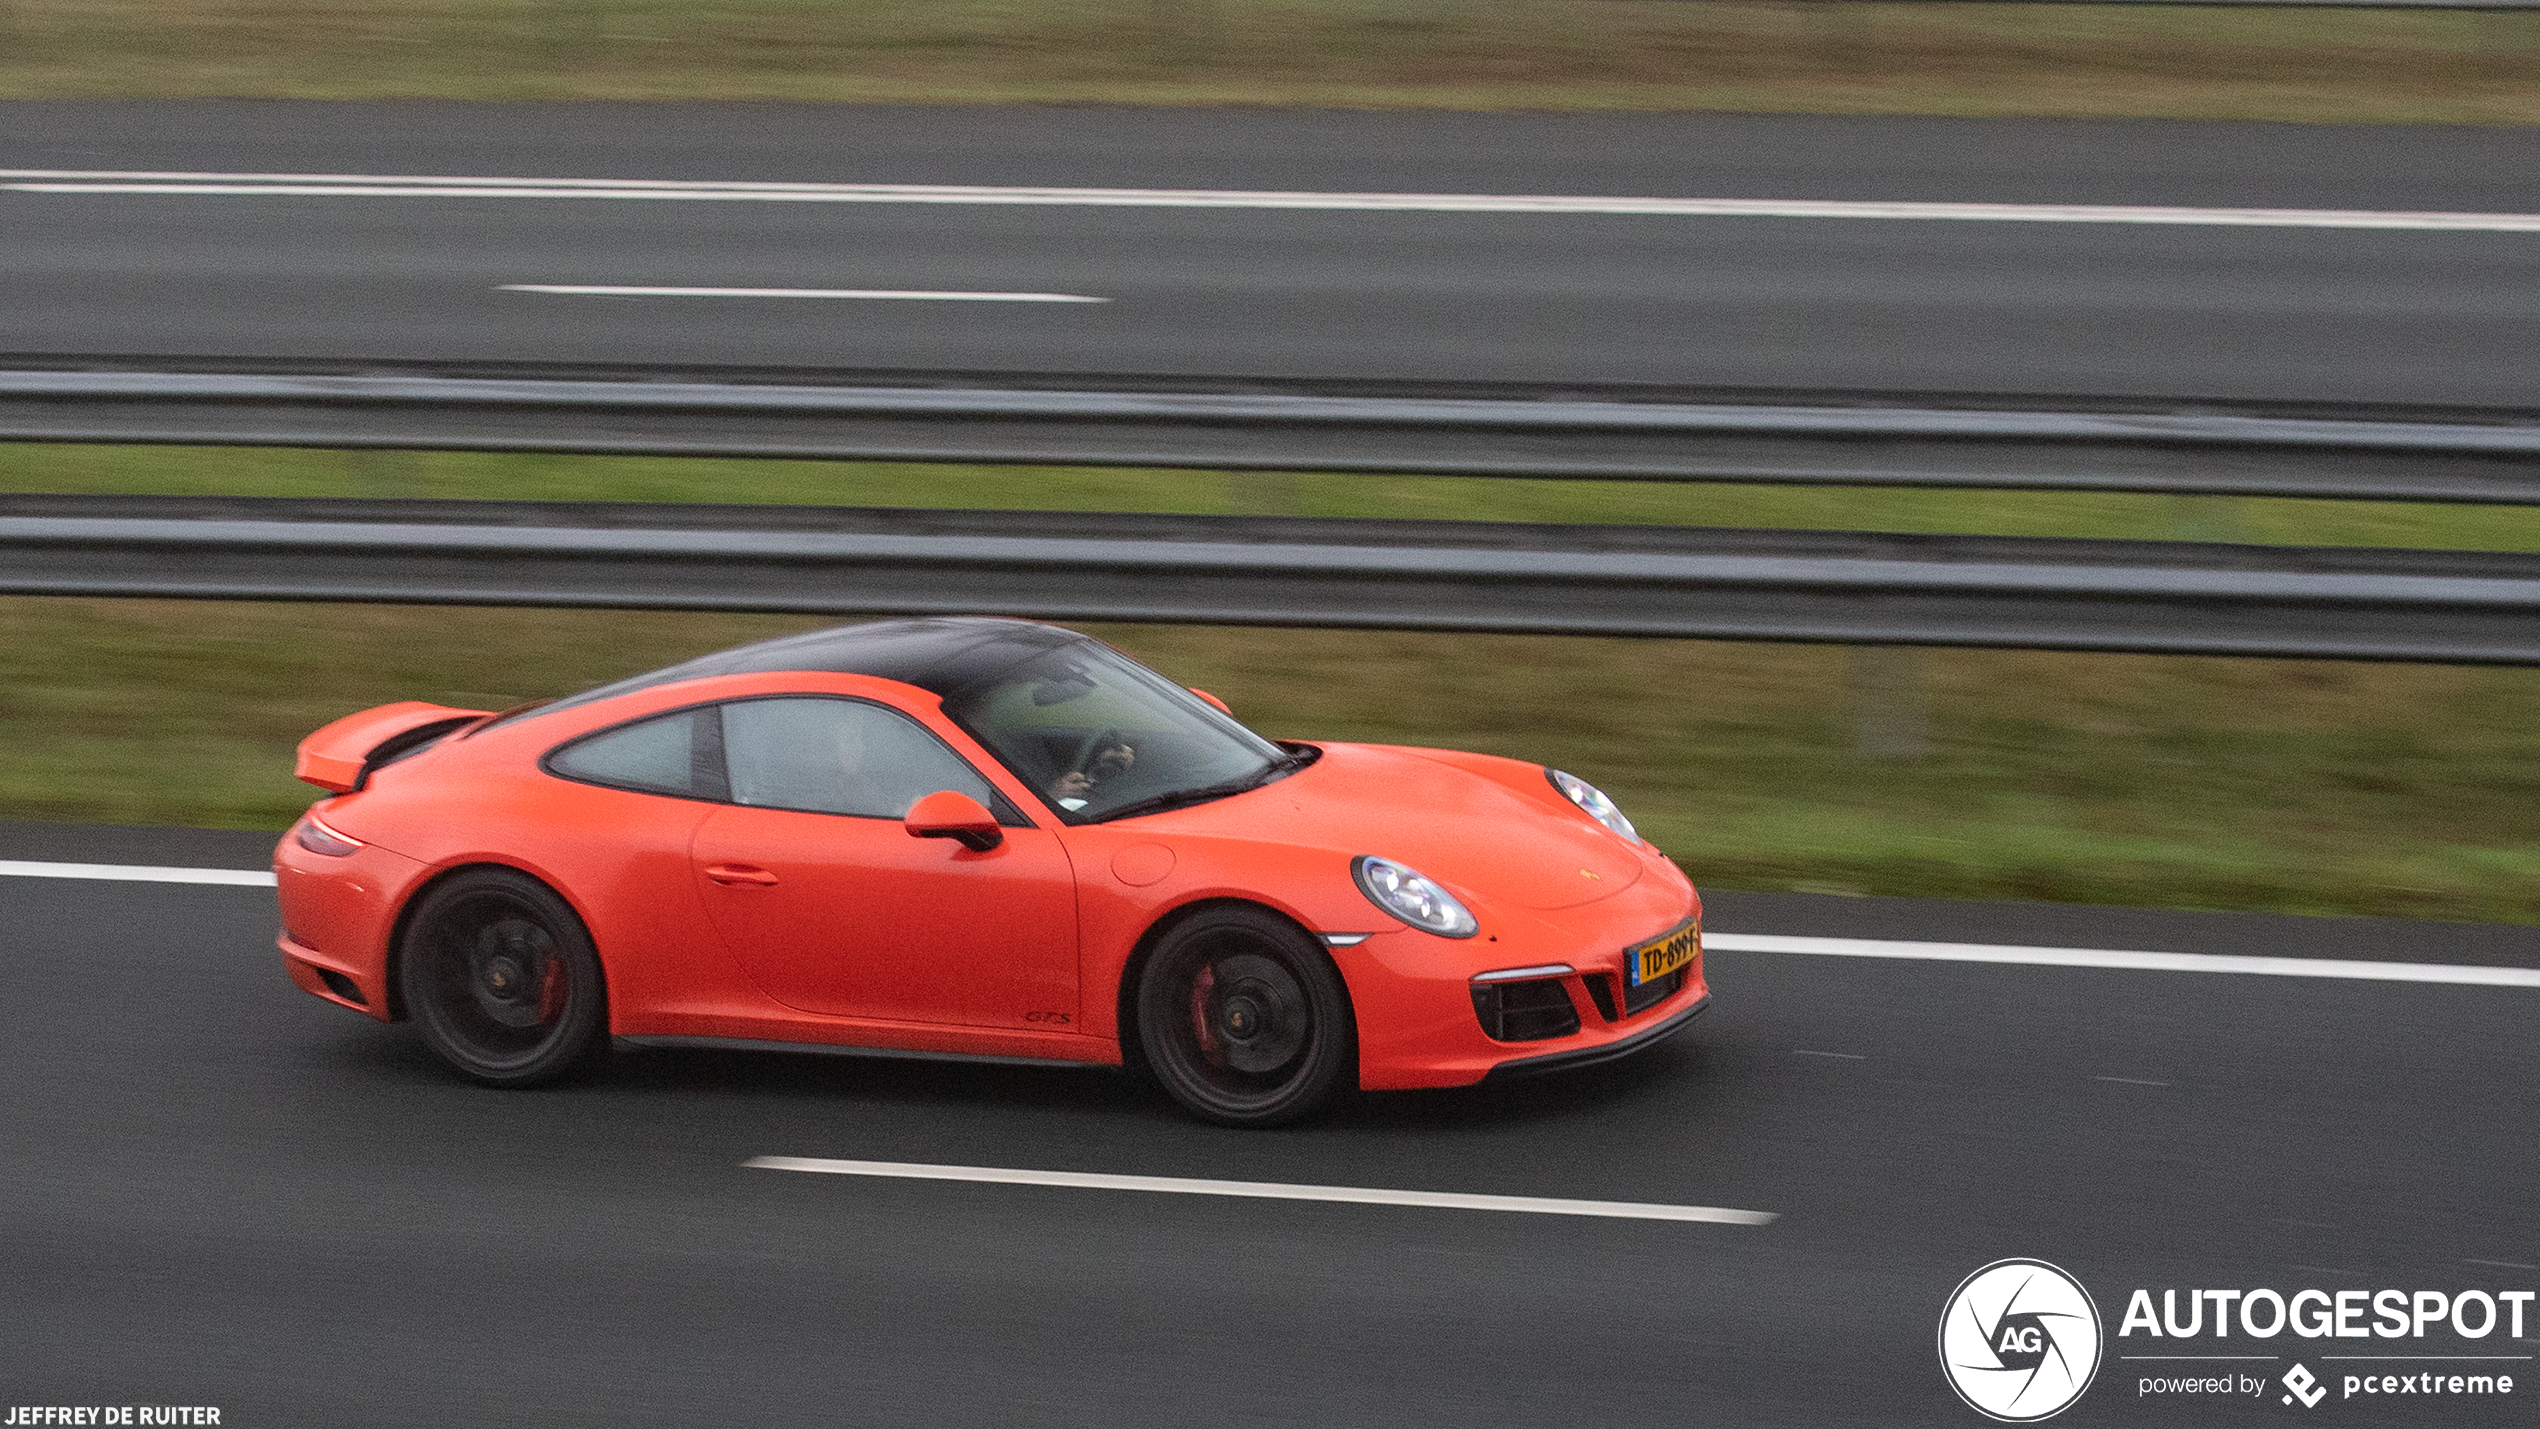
(1243, 1020)
(502, 979)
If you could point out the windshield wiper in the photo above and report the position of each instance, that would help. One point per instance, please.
(1184, 798)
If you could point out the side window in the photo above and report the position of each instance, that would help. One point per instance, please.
(839, 757)
(668, 754)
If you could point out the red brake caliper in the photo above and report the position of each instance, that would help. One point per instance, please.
(1201, 987)
(551, 991)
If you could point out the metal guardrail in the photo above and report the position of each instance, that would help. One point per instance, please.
(2159, 597)
(1834, 439)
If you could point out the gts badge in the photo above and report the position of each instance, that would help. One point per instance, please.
(1053, 1019)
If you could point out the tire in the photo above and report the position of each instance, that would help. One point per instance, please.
(1243, 1019)
(502, 979)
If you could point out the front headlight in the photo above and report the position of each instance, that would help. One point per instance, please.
(1412, 898)
(1587, 796)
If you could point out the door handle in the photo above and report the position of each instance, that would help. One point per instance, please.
(740, 875)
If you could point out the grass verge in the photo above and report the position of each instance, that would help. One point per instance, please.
(251, 471)
(2268, 62)
(2294, 786)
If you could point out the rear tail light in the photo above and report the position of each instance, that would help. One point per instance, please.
(312, 833)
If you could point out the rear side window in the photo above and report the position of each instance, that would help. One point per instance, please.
(675, 754)
(832, 756)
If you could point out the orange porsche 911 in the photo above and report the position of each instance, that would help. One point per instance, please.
(974, 838)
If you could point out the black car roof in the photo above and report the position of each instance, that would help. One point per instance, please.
(939, 654)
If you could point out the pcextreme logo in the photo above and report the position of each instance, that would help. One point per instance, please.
(2019, 1340)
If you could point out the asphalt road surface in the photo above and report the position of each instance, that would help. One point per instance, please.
(217, 1191)
(2196, 310)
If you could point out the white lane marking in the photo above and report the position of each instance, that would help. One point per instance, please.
(87, 181)
(2132, 1081)
(1263, 1190)
(1846, 1056)
(1720, 942)
(2140, 962)
(137, 873)
(900, 294)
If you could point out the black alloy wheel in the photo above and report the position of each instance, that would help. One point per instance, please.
(1243, 1019)
(502, 978)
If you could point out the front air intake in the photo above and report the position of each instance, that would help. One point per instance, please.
(1652, 992)
(1527, 1011)
(1600, 990)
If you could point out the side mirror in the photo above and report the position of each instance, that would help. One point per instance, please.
(1212, 699)
(951, 814)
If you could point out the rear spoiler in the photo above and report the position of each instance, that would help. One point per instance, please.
(340, 757)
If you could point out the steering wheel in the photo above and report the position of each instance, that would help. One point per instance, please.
(1094, 743)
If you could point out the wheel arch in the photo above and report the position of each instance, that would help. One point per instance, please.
(394, 965)
(1125, 996)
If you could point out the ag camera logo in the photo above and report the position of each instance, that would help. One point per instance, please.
(2019, 1340)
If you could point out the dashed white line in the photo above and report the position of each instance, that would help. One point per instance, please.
(2132, 1081)
(1845, 1056)
(1264, 1190)
(2133, 961)
(137, 873)
(94, 181)
(919, 295)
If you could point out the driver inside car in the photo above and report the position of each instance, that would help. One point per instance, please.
(1106, 756)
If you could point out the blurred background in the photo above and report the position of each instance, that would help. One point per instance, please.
(2210, 783)
(2171, 229)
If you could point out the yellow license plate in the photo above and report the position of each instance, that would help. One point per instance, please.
(1654, 960)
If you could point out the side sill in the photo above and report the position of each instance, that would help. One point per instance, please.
(834, 1049)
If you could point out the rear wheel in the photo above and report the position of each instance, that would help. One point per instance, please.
(502, 979)
(1243, 1020)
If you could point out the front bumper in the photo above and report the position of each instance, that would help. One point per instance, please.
(1624, 1046)
(1419, 1025)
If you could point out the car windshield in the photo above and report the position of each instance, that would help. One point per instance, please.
(1100, 736)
